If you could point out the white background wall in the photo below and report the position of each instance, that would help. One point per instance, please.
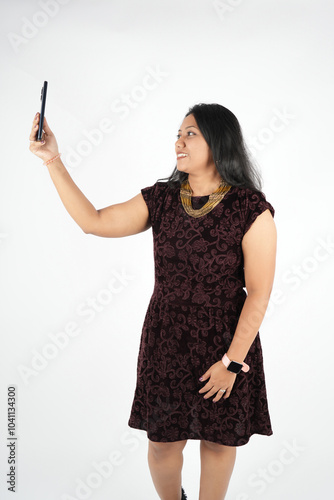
(259, 58)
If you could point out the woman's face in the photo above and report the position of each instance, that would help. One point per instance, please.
(191, 142)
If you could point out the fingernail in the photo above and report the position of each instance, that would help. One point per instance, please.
(42, 142)
(201, 378)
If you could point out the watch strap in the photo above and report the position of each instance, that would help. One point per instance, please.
(226, 361)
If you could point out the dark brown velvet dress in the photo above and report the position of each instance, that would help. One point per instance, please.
(191, 318)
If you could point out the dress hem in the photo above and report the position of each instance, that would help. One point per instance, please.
(200, 438)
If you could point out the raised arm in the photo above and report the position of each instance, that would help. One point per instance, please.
(115, 221)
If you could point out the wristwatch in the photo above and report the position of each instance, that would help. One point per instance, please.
(234, 366)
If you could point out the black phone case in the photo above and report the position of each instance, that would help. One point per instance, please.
(41, 118)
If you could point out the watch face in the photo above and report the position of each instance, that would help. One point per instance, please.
(234, 367)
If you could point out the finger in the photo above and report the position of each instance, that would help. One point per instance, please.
(33, 139)
(33, 133)
(36, 120)
(218, 397)
(34, 146)
(212, 392)
(207, 387)
(204, 377)
(35, 125)
(46, 127)
(218, 394)
(34, 130)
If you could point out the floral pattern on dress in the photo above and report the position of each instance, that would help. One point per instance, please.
(192, 315)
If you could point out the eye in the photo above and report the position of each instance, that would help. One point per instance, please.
(189, 132)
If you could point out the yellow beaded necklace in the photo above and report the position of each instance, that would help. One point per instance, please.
(214, 198)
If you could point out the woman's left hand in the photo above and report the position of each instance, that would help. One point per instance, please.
(220, 378)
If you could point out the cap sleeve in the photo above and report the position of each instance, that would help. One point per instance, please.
(255, 204)
(153, 199)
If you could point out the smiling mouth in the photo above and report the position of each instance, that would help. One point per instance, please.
(181, 156)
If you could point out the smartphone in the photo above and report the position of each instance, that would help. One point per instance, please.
(41, 117)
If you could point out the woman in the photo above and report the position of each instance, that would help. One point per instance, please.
(200, 367)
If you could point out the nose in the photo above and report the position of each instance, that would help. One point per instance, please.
(178, 143)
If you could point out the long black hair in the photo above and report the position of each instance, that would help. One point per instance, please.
(222, 132)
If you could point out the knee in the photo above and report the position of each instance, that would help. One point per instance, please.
(219, 448)
(166, 449)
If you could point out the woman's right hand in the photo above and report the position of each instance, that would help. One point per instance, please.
(47, 148)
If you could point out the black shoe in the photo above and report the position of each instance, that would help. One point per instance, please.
(184, 496)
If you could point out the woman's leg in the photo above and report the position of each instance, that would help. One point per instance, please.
(217, 462)
(165, 461)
